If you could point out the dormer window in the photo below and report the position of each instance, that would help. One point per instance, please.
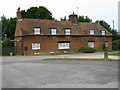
(36, 30)
(92, 32)
(53, 31)
(67, 31)
(103, 32)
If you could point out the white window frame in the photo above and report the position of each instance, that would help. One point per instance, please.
(36, 30)
(103, 32)
(106, 44)
(67, 31)
(35, 46)
(53, 31)
(63, 45)
(91, 44)
(92, 32)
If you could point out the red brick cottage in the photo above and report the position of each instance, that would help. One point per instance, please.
(45, 36)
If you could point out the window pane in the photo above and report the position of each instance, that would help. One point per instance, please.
(35, 46)
(53, 31)
(67, 31)
(91, 32)
(91, 44)
(103, 32)
(36, 30)
(63, 45)
(106, 43)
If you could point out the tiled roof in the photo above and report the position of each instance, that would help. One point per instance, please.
(26, 26)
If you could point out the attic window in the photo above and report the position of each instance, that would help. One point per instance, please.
(103, 32)
(92, 32)
(67, 31)
(36, 30)
(53, 31)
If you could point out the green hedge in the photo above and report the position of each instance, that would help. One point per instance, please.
(85, 49)
(7, 50)
(116, 45)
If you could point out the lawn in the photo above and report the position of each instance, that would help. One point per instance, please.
(115, 53)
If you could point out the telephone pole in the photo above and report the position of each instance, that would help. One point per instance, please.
(113, 25)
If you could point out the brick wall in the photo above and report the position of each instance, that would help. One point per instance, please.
(50, 44)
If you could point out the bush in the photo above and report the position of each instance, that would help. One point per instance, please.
(116, 45)
(7, 43)
(7, 50)
(87, 50)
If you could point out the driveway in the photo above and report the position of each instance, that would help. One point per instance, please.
(32, 72)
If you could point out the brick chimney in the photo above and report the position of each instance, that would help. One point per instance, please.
(73, 18)
(19, 14)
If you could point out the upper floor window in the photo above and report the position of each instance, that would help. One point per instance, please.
(103, 32)
(67, 31)
(92, 32)
(36, 30)
(53, 31)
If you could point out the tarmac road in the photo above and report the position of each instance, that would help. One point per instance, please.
(32, 72)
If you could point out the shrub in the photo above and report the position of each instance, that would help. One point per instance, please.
(7, 43)
(7, 50)
(116, 45)
(85, 49)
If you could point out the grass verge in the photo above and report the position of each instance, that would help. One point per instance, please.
(115, 53)
(91, 59)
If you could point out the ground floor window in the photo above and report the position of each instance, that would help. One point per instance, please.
(91, 44)
(35, 46)
(106, 43)
(64, 45)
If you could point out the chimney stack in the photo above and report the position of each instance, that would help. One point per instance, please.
(73, 18)
(19, 14)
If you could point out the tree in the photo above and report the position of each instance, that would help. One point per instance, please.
(40, 12)
(8, 27)
(80, 19)
(116, 44)
(5, 24)
(63, 19)
(12, 26)
(104, 24)
(6, 43)
(84, 19)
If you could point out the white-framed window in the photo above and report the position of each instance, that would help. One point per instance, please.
(63, 45)
(35, 46)
(53, 31)
(91, 44)
(67, 31)
(92, 32)
(106, 43)
(103, 32)
(36, 30)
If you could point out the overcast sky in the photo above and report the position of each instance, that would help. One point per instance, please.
(95, 9)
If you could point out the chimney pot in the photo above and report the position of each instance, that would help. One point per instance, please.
(73, 18)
